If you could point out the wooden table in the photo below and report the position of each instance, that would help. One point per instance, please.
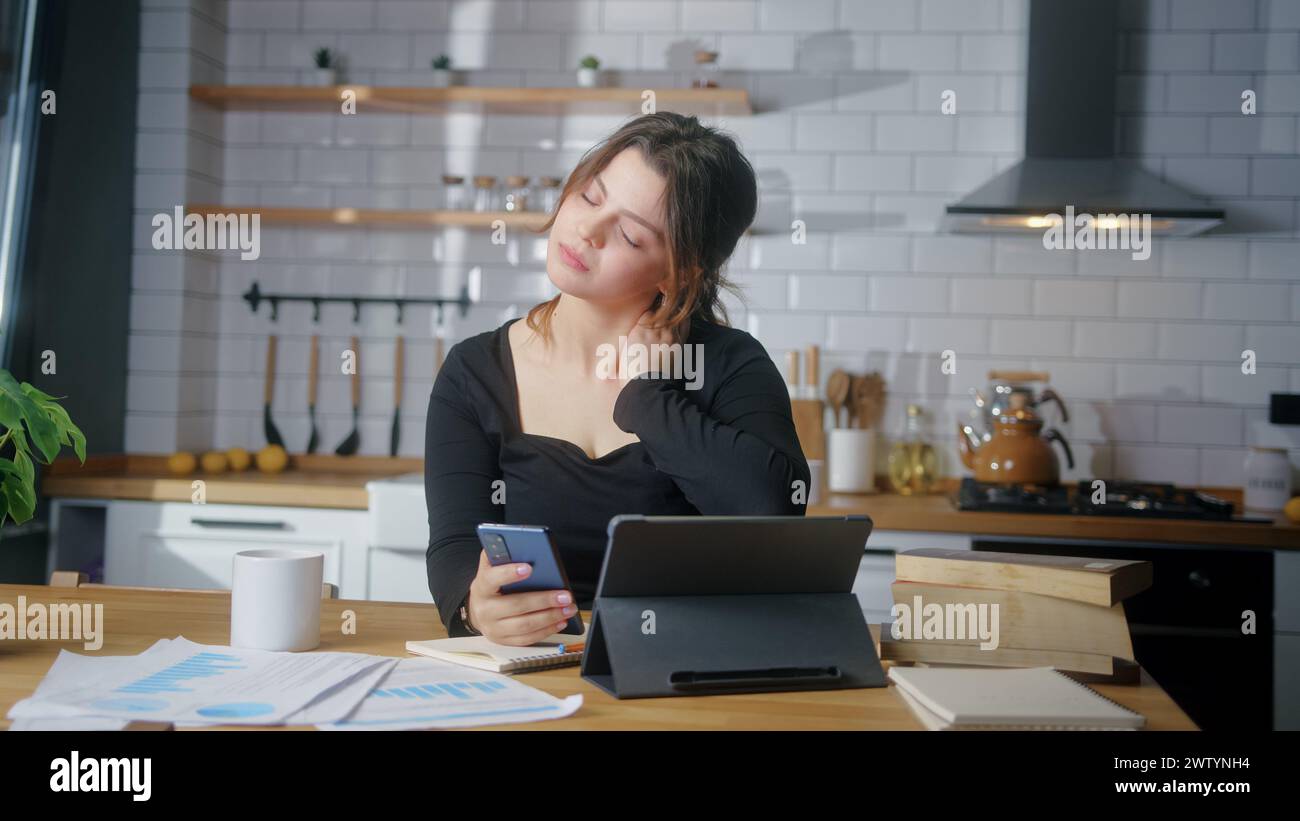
(135, 619)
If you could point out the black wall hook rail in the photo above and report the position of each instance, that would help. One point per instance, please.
(254, 297)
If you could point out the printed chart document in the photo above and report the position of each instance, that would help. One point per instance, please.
(73, 667)
(191, 683)
(427, 694)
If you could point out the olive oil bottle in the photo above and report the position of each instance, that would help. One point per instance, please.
(913, 463)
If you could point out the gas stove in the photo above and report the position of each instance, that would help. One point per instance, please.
(1122, 498)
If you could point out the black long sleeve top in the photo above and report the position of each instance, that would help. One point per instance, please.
(726, 447)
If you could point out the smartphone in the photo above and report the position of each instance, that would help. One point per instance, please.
(534, 545)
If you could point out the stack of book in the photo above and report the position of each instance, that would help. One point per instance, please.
(975, 608)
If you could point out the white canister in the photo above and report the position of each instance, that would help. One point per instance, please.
(275, 599)
(1268, 479)
(851, 458)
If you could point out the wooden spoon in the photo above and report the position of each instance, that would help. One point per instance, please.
(837, 393)
(872, 398)
(861, 400)
(855, 389)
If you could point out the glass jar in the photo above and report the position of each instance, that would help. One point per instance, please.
(453, 192)
(516, 198)
(485, 194)
(913, 464)
(706, 70)
(549, 192)
(1268, 479)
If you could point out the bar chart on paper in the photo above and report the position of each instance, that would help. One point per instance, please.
(463, 690)
(421, 693)
(172, 679)
(180, 680)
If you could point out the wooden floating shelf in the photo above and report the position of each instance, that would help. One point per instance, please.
(416, 100)
(411, 218)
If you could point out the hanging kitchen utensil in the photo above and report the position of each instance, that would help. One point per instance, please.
(272, 433)
(349, 445)
(312, 386)
(397, 399)
(439, 332)
(837, 393)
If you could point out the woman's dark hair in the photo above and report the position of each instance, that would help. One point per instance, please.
(710, 199)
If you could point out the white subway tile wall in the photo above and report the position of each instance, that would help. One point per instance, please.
(848, 135)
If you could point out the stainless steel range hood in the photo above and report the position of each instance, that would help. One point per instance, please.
(1070, 139)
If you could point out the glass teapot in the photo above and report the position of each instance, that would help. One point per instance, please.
(1009, 390)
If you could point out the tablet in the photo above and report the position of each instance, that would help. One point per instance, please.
(720, 555)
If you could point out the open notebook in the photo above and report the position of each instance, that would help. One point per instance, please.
(1036, 698)
(476, 651)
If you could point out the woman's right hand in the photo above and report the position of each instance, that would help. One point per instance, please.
(518, 619)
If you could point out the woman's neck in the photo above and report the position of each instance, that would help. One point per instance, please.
(579, 328)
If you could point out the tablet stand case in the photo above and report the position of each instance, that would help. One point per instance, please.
(708, 645)
(715, 644)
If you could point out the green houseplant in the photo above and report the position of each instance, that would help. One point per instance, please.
(588, 71)
(27, 412)
(326, 73)
(441, 71)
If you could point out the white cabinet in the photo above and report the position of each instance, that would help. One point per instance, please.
(398, 539)
(398, 574)
(179, 544)
(876, 572)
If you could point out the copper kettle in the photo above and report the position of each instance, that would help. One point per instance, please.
(1018, 452)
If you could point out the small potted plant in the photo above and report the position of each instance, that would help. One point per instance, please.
(589, 72)
(441, 71)
(326, 68)
(29, 419)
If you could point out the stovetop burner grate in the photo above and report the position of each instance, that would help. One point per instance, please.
(1130, 499)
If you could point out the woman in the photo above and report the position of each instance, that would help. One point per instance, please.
(533, 423)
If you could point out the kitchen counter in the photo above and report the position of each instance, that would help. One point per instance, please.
(320, 480)
(937, 513)
(329, 481)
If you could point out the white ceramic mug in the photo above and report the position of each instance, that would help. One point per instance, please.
(275, 599)
(851, 453)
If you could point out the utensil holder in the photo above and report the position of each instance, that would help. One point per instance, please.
(851, 453)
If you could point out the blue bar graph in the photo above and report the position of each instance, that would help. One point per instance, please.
(461, 690)
(169, 679)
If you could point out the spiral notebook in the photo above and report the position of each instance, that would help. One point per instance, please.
(1035, 698)
(556, 650)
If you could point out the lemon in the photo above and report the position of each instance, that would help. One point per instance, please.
(239, 459)
(272, 459)
(181, 463)
(214, 461)
(1292, 509)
